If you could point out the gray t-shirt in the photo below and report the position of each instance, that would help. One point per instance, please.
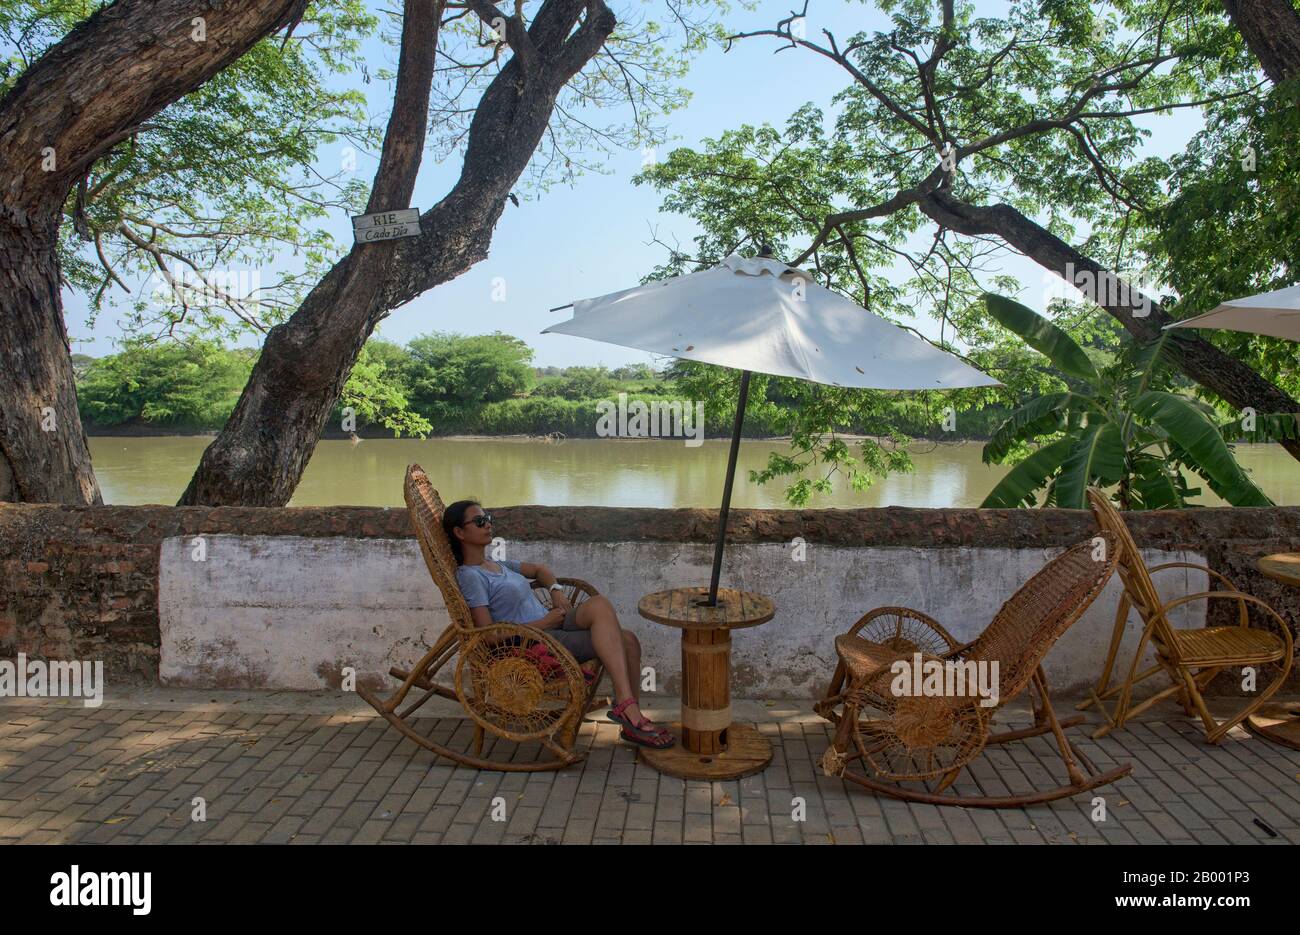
(508, 596)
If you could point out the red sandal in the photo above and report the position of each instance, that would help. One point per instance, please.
(642, 732)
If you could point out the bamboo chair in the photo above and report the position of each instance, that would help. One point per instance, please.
(1191, 658)
(927, 741)
(503, 689)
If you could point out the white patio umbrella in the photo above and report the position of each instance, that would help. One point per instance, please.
(1276, 314)
(761, 315)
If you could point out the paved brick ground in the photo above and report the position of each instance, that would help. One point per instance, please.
(130, 774)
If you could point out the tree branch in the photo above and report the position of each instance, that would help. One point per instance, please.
(1233, 381)
(112, 72)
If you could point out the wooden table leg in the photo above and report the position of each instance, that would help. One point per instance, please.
(706, 690)
(709, 746)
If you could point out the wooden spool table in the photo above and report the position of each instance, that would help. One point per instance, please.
(709, 745)
(1279, 721)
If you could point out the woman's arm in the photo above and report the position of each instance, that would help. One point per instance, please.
(537, 571)
(545, 578)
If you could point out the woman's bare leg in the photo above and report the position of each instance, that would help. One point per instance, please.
(632, 650)
(612, 648)
(598, 616)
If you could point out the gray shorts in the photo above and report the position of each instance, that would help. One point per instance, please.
(573, 638)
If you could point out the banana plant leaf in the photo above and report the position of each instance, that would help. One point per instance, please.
(1042, 336)
(1020, 486)
(1097, 456)
(1207, 453)
(1042, 415)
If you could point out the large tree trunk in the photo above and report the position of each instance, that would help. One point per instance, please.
(83, 96)
(260, 455)
(43, 456)
(1271, 29)
(265, 445)
(1200, 360)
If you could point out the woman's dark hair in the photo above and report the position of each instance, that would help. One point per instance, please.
(453, 518)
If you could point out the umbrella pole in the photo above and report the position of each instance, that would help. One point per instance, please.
(726, 491)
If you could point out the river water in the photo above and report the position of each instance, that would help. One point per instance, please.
(591, 472)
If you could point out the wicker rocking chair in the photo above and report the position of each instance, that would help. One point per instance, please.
(926, 741)
(515, 681)
(1191, 658)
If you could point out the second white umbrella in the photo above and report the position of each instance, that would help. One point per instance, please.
(1276, 314)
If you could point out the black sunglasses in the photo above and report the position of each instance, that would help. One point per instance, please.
(483, 519)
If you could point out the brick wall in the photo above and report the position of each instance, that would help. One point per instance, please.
(82, 582)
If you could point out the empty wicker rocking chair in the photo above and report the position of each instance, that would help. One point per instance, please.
(1190, 658)
(502, 677)
(926, 740)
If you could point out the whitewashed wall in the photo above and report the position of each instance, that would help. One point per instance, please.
(284, 612)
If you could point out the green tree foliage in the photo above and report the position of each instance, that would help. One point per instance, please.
(1118, 427)
(633, 372)
(1045, 107)
(376, 393)
(210, 221)
(450, 374)
(187, 217)
(192, 384)
(1231, 224)
(579, 383)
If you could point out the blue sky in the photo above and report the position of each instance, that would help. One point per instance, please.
(593, 237)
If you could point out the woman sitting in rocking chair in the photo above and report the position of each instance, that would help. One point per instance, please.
(500, 591)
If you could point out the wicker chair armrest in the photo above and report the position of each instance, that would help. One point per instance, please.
(1222, 579)
(958, 650)
(878, 682)
(579, 584)
(572, 586)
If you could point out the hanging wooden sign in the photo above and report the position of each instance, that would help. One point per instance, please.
(386, 225)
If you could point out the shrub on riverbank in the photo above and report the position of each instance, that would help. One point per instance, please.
(189, 385)
(573, 418)
(444, 384)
